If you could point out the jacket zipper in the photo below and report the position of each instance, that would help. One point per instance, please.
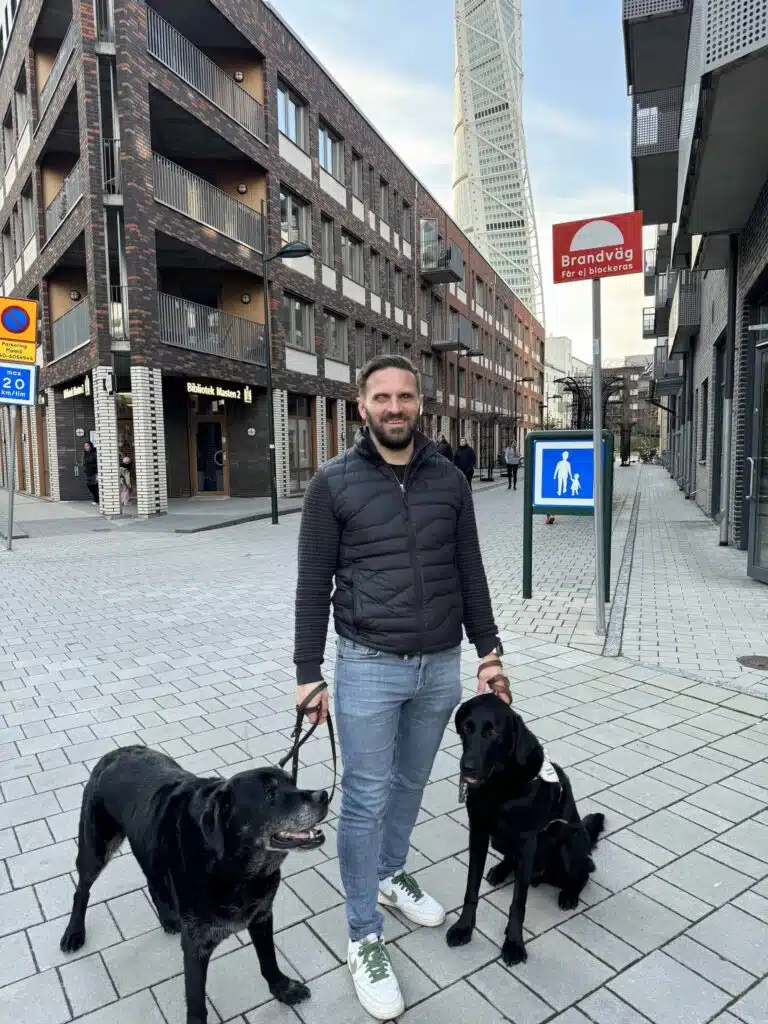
(418, 582)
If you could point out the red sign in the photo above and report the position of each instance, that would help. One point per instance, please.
(598, 247)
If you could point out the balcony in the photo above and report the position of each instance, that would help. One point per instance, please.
(111, 170)
(649, 322)
(649, 272)
(184, 192)
(685, 312)
(655, 144)
(177, 53)
(655, 42)
(71, 330)
(57, 70)
(204, 329)
(667, 374)
(70, 193)
(441, 263)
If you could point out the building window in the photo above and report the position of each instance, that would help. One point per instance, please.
(375, 273)
(398, 287)
(396, 211)
(406, 222)
(387, 281)
(356, 175)
(331, 151)
(383, 200)
(704, 419)
(479, 292)
(296, 318)
(295, 220)
(292, 117)
(352, 257)
(327, 241)
(27, 213)
(358, 341)
(336, 337)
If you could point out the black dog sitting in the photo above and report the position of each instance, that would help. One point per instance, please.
(211, 850)
(524, 806)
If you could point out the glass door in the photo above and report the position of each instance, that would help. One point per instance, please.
(209, 471)
(757, 472)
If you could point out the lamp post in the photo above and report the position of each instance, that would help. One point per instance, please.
(291, 251)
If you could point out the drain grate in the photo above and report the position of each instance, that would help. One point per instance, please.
(754, 661)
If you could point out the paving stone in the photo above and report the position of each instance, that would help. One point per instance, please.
(670, 830)
(143, 961)
(750, 837)
(638, 920)
(604, 1007)
(559, 971)
(439, 838)
(753, 1007)
(654, 987)
(726, 802)
(705, 878)
(15, 959)
(427, 947)
(709, 965)
(754, 904)
(87, 984)
(35, 1000)
(100, 932)
(139, 1008)
(737, 936)
(18, 910)
(460, 1002)
(601, 943)
(617, 868)
(302, 948)
(517, 1003)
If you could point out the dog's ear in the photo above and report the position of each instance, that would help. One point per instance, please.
(458, 718)
(214, 818)
(522, 744)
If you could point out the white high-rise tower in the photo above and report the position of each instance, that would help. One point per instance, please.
(492, 199)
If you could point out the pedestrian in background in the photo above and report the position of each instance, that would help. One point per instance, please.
(465, 459)
(444, 448)
(91, 470)
(389, 527)
(512, 461)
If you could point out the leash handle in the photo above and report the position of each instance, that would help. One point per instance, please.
(299, 740)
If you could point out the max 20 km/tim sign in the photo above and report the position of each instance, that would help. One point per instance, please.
(599, 247)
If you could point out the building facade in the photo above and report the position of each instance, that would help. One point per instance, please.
(492, 198)
(697, 72)
(153, 153)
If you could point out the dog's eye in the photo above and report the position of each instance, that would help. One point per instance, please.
(270, 790)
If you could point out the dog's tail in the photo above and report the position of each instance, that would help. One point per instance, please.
(594, 824)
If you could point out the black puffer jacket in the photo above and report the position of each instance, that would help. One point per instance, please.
(406, 559)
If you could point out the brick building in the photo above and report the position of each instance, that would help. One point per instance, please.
(151, 153)
(698, 72)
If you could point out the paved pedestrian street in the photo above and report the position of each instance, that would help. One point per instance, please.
(185, 643)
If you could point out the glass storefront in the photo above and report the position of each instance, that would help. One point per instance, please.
(301, 447)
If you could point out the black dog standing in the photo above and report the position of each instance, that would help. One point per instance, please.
(523, 806)
(211, 850)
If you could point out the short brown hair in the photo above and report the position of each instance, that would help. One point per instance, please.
(387, 362)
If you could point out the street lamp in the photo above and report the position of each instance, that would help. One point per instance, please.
(291, 251)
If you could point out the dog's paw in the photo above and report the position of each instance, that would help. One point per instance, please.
(72, 939)
(513, 952)
(289, 991)
(568, 900)
(459, 934)
(171, 925)
(497, 875)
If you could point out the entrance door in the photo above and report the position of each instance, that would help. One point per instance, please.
(210, 474)
(757, 474)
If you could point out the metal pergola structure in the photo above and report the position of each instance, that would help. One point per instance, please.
(580, 390)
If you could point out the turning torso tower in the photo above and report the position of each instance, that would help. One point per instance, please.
(492, 200)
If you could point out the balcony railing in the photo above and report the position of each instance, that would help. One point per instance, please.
(105, 20)
(69, 194)
(205, 329)
(649, 271)
(203, 202)
(118, 312)
(71, 330)
(441, 263)
(57, 70)
(113, 185)
(174, 50)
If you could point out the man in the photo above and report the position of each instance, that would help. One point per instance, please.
(512, 461)
(444, 447)
(392, 523)
(464, 458)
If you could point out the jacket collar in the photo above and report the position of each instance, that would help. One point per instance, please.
(422, 446)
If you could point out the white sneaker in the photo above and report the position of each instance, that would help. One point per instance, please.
(374, 980)
(402, 892)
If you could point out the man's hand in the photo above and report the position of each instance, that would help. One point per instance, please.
(318, 706)
(490, 666)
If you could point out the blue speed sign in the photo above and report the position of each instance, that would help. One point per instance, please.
(18, 384)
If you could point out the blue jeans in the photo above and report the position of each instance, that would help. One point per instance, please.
(391, 713)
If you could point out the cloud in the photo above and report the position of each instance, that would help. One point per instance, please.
(543, 118)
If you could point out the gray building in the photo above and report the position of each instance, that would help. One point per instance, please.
(698, 76)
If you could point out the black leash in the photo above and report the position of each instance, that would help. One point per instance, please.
(298, 740)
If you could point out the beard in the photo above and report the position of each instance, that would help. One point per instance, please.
(394, 436)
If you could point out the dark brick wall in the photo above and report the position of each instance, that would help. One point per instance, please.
(176, 437)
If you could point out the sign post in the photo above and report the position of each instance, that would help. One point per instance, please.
(18, 376)
(588, 250)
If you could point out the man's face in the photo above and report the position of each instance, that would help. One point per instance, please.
(390, 407)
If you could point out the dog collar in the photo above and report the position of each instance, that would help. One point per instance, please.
(547, 772)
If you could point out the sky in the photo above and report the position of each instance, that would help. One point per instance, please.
(395, 59)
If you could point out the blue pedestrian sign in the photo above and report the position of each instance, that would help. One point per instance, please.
(18, 384)
(564, 474)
